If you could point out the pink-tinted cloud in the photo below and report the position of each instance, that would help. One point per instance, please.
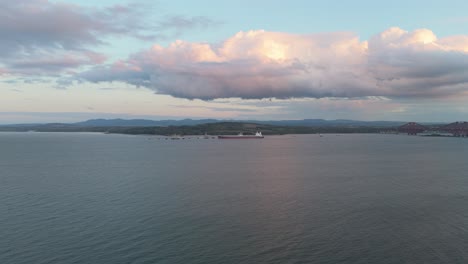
(260, 64)
(3, 71)
(53, 63)
(31, 28)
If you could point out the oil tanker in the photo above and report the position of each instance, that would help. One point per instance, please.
(257, 135)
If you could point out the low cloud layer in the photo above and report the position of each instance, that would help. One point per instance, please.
(44, 37)
(259, 64)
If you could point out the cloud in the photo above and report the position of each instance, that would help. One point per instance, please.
(261, 64)
(417, 64)
(175, 25)
(16, 90)
(217, 109)
(3, 71)
(60, 36)
(52, 63)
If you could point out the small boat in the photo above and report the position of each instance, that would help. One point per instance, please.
(176, 137)
(257, 135)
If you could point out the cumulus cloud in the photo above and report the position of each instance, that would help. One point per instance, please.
(260, 64)
(61, 35)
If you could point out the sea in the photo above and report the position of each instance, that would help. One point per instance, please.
(95, 198)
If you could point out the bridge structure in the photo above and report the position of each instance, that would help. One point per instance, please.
(412, 128)
(457, 129)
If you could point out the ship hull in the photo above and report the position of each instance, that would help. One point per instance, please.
(240, 137)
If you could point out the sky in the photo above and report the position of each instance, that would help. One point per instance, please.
(68, 61)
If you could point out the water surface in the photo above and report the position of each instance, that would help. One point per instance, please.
(95, 198)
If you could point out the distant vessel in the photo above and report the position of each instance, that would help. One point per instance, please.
(175, 137)
(242, 136)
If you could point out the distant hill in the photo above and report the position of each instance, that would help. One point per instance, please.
(103, 123)
(210, 126)
(333, 123)
(141, 122)
(192, 122)
(219, 128)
